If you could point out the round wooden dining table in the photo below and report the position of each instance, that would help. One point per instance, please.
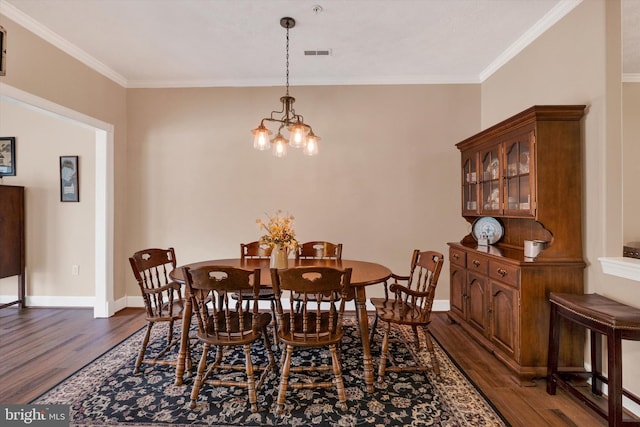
(363, 274)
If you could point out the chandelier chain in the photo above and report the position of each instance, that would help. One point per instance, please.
(287, 62)
(300, 133)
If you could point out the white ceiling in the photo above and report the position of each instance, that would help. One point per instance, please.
(174, 43)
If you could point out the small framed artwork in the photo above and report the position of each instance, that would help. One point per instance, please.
(7, 156)
(3, 51)
(69, 179)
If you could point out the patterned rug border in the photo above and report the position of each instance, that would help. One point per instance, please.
(79, 384)
(470, 381)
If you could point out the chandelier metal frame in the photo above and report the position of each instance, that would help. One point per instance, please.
(301, 134)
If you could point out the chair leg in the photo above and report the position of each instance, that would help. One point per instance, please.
(200, 377)
(143, 349)
(372, 331)
(416, 338)
(383, 353)
(337, 372)
(432, 352)
(170, 333)
(251, 383)
(276, 342)
(284, 379)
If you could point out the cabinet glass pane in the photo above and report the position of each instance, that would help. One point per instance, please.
(490, 165)
(490, 181)
(517, 185)
(469, 185)
(491, 194)
(518, 193)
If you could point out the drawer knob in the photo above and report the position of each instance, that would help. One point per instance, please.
(456, 256)
(502, 272)
(476, 263)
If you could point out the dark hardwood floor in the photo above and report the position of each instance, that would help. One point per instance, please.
(40, 347)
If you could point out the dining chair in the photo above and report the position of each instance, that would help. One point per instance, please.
(409, 304)
(311, 326)
(317, 250)
(163, 300)
(224, 324)
(257, 250)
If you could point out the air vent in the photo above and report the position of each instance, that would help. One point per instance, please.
(320, 52)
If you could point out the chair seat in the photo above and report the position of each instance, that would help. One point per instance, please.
(265, 294)
(400, 312)
(230, 332)
(163, 315)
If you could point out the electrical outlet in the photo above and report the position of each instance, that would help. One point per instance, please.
(75, 270)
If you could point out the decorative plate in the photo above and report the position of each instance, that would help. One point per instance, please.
(489, 226)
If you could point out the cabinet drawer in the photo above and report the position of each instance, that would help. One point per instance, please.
(505, 273)
(458, 257)
(477, 264)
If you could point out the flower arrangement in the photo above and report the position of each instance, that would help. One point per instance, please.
(279, 230)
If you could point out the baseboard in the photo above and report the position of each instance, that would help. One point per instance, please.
(137, 301)
(627, 403)
(53, 301)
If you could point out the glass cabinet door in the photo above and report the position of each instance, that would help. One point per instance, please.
(518, 184)
(470, 184)
(490, 196)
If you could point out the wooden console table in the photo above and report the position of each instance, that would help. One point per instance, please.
(601, 316)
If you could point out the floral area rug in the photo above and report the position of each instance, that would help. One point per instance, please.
(106, 392)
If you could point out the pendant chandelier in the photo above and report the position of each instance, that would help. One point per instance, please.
(300, 134)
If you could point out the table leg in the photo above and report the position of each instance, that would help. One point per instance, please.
(184, 341)
(363, 323)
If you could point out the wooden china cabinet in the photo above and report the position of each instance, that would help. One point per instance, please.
(526, 173)
(12, 238)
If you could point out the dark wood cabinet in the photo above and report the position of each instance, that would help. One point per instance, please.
(526, 172)
(12, 238)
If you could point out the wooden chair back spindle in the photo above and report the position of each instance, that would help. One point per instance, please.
(225, 302)
(311, 325)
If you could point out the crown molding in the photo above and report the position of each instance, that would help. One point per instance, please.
(631, 77)
(546, 22)
(45, 33)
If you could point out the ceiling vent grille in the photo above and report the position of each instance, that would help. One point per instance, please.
(319, 52)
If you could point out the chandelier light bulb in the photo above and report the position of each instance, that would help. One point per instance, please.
(261, 138)
(279, 146)
(297, 137)
(311, 149)
(300, 135)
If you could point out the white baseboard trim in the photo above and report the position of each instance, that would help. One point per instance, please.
(627, 403)
(137, 301)
(53, 301)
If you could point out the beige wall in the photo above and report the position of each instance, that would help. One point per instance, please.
(631, 161)
(187, 175)
(386, 180)
(578, 62)
(36, 67)
(58, 235)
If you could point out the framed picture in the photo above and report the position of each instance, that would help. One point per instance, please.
(69, 181)
(3, 51)
(7, 156)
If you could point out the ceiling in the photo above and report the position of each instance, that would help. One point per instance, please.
(187, 43)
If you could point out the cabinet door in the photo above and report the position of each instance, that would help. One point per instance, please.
(490, 188)
(11, 230)
(519, 185)
(458, 295)
(505, 330)
(470, 183)
(477, 301)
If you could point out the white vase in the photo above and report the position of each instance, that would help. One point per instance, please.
(279, 256)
